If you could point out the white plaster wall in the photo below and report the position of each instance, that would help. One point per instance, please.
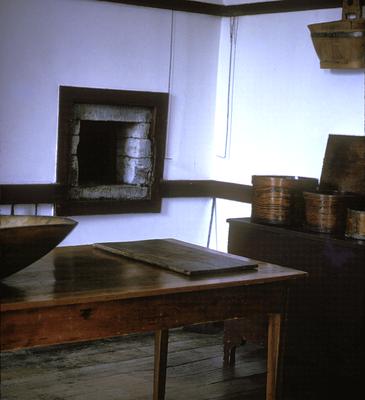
(190, 146)
(47, 43)
(284, 105)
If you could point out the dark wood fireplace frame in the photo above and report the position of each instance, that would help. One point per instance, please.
(68, 96)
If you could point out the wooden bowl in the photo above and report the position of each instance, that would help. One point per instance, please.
(25, 239)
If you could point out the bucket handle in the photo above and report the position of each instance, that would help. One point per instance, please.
(351, 9)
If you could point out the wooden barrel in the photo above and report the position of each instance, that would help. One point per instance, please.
(325, 212)
(355, 224)
(277, 199)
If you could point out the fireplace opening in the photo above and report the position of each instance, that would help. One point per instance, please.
(111, 150)
(114, 153)
(97, 153)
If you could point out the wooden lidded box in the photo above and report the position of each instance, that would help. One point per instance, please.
(342, 186)
(344, 164)
(325, 212)
(278, 199)
(297, 201)
(341, 44)
(355, 224)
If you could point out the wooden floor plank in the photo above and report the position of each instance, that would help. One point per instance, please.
(122, 369)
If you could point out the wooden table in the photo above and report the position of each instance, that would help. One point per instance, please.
(82, 293)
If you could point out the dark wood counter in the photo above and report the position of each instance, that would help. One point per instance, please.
(326, 312)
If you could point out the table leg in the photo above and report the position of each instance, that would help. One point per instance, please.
(229, 355)
(273, 355)
(161, 349)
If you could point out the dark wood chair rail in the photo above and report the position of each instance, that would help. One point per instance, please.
(51, 193)
(207, 188)
(30, 193)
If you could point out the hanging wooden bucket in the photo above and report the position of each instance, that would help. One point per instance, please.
(278, 200)
(341, 44)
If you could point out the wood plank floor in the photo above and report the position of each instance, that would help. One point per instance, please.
(122, 369)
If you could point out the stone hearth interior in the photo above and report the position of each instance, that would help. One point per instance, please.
(111, 152)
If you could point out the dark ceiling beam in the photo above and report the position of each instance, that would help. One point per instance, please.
(268, 7)
(176, 5)
(283, 6)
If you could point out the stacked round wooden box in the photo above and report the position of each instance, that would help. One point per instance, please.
(335, 205)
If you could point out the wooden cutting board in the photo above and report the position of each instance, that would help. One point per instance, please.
(179, 256)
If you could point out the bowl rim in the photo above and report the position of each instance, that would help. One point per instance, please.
(61, 221)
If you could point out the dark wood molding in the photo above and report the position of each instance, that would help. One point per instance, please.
(207, 188)
(234, 10)
(185, 188)
(52, 193)
(31, 193)
(104, 207)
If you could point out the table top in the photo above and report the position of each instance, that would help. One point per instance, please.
(79, 274)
